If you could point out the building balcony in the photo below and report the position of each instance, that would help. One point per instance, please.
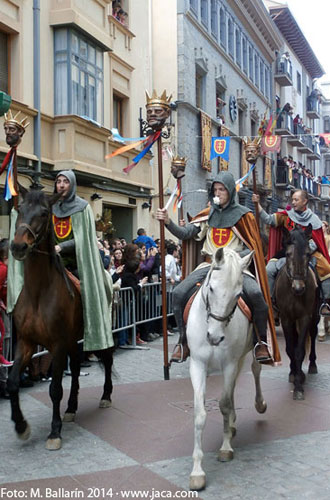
(315, 154)
(313, 108)
(307, 144)
(325, 191)
(283, 73)
(284, 125)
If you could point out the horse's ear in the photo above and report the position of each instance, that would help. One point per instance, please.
(22, 190)
(218, 255)
(246, 261)
(53, 198)
(308, 231)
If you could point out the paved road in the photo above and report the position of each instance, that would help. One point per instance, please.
(142, 446)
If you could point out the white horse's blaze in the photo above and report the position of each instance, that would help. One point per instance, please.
(219, 336)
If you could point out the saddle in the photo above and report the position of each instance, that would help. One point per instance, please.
(241, 304)
(74, 280)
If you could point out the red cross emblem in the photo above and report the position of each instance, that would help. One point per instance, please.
(62, 226)
(220, 146)
(221, 236)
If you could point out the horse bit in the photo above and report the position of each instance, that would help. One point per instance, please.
(35, 236)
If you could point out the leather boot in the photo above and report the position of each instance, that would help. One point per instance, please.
(181, 350)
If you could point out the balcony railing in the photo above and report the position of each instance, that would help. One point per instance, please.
(288, 177)
(307, 146)
(325, 191)
(283, 72)
(284, 125)
(313, 107)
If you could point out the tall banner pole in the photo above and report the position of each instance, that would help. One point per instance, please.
(162, 260)
(184, 243)
(252, 151)
(255, 192)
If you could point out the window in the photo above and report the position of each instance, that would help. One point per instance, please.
(256, 70)
(220, 101)
(250, 63)
(78, 75)
(4, 62)
(238, 39)
(253, 128)
(262, 77)
(298, 82)
(214, 18)
(204, 12)
(199, 89)
(193, 6)
(267, 90)
(327, 167)
(223, 26)
(231, 37)
(118, 113)
(245, 61)
(326, 124)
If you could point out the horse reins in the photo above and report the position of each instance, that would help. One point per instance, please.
(222, 319)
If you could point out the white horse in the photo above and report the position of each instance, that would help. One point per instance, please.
(219, 336)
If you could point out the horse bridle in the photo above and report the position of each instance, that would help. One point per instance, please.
(223, 319)
(37, 238)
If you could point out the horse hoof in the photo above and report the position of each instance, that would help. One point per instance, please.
(197, 483)
(261, 407)
(298, 396)
(225, 455)
(312, 370)
(233, 431)
(69, 417)
(321, 338)
(24, 436)
(53, 444)
(291, 378)
(105, 403)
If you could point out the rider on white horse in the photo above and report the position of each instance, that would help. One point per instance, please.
(225, 224)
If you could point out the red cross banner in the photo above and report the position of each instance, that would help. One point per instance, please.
(221, 236)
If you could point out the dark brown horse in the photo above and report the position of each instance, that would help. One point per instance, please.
(296, 296)
(48, 312)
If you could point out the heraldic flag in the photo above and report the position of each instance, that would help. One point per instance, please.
(220, 147)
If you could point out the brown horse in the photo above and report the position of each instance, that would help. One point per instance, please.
(296, 295)
(48, 312)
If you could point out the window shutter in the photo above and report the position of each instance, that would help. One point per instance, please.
(3, 62)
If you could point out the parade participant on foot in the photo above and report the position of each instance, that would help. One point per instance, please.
(302, 216)
(224, 224)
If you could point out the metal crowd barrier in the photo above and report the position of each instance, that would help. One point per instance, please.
(128, 311)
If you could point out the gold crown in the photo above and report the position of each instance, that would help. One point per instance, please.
(163, 100)
(179, 161)
(12, 120)
(248, 141)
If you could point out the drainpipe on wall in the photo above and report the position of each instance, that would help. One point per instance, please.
(36, 89)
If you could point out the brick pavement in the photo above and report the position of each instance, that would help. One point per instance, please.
(144, 442)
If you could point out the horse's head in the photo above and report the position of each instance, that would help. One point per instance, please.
(33, 221)
(298, 255)
(222, 288)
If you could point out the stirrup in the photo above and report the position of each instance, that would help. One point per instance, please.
(269, 358)
(177, 360)
(327, 307)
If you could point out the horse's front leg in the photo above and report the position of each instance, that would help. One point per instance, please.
(198, 379)
(291, 339)
(54, 440)
(299, 379)
(260, 404)
(106, 356)
(71, 410)
(312, 368)
(21, 425)
(230, 372)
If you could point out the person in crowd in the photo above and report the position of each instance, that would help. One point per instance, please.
(103, 247)
(224, 223)
(118, 257)
(173, 275)
(115, 243)
(3, 298)
(326, 232)
(147, 261)
(123, 243)
(130, 279)
(143, 238)
(302, 216)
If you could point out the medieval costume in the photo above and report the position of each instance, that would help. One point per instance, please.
(231, 226)
(289, 219)
(74, 229)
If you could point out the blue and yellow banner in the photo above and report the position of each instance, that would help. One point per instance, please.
(220, 147)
